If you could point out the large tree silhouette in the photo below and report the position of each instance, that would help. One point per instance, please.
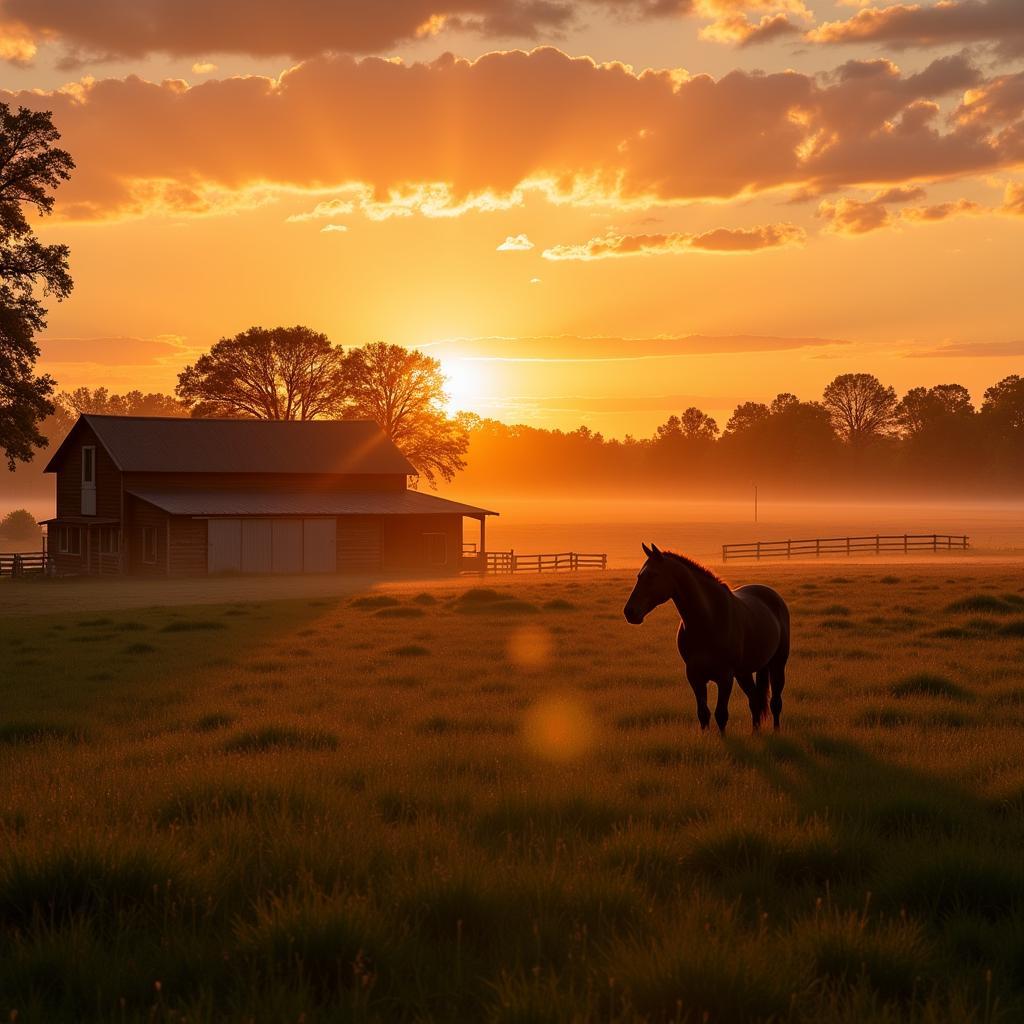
(31, 167)
(403, 391)
(281, 373)
(861, 407)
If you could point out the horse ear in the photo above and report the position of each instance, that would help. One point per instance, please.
(647, 550)
(655, 551)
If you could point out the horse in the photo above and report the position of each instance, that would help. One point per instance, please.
(724, 633)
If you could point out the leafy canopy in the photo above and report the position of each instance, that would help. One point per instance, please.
(31, 168)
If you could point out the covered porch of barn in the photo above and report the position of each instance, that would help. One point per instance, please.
(269, 531)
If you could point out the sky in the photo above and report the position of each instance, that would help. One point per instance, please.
(592, 211)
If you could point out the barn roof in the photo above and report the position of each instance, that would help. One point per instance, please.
(151, 444)
(232, 502)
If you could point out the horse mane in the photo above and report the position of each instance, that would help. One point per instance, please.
(703, 570)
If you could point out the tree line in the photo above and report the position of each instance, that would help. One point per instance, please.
(858, 437)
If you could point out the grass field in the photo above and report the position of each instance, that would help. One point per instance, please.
(453, 804)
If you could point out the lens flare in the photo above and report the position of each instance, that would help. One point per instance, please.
(560, 727)
(529, 648)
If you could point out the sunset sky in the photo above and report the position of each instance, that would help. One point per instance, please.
(595, 211)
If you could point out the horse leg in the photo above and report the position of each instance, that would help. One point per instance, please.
(746, 681)
(722, 703)
(763, 678)
(700, 691)
(778, 676)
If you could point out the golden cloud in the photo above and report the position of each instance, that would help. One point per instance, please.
(516, 243)
(376, 134)
(612, 245)
(948, 22)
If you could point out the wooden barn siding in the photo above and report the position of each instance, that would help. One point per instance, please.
(188, 546)
(404, 547)
(68, 565)
(69, 479)
(289, 482)
(358, 541)
(137, 515)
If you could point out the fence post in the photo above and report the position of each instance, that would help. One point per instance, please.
(817, 547)
(935, 542)
(789, 548)
(758, 555)
(904, 543)
(878, 543)
(725, 552)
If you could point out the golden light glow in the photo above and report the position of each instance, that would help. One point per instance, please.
(466, 381)
(560, 727)
(530, 648)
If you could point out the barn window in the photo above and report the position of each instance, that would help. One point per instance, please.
(437, 548)
(110, 540)
(88, 465)
(149, 545)
(69, 540)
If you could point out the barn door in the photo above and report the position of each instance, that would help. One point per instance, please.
(359, 545)
(224, 545)
(287, 545)
(319, 545)
(256, 545)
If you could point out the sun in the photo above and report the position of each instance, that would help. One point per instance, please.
(466, 384)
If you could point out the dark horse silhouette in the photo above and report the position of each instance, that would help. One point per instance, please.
(725, 634)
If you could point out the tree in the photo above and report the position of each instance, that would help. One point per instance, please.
(861, 407)
(696, 425)
(132, 403)
(692, 425)
(923, 408)
(746, 416)
(19, 523)
(403, 391)
(31, 167)
(282, 373)
(1004, 405)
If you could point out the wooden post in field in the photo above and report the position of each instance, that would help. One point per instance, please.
(758, 555)
(878, 544)
(789, 548)
(935, 542)
(904, 543)
(725, 552)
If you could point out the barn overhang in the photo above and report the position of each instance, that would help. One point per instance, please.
(214, 503)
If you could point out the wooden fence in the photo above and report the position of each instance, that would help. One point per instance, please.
(501, 562)
(902, 543)
(22, 563)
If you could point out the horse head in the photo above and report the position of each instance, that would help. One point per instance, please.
(653, 587)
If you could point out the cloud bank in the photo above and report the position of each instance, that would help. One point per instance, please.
(578, 131)
(612, 245)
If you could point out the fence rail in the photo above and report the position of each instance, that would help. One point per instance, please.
(903, 543)
(21, 563)
(500, 562)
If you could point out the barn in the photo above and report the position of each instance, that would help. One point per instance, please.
(184, 497)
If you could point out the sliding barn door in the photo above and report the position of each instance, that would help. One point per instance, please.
(319, 545)
(224, 545)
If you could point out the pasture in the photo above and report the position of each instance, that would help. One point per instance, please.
(492, 803)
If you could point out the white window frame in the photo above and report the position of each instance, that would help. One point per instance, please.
(145, 560)
(444, 540)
